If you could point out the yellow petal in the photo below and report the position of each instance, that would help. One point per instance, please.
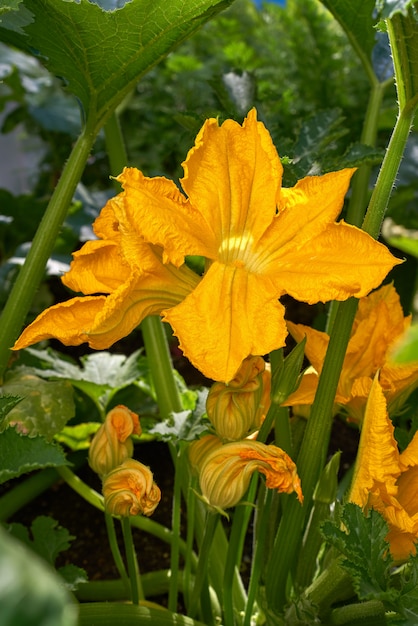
(305, 393)
(306, 209)
(377, 463)
(67, 322)
(230, 315)
(316, 343)
(339, 262)
(163, 216)
(96, 268)
(233, 174)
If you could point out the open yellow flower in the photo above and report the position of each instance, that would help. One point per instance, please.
(386, 480)
(378, 325)
(259, 240)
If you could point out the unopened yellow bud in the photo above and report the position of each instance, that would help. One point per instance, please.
(226, 472)
(112, 443)
(200, 448)
(129, 489)
(236, 409)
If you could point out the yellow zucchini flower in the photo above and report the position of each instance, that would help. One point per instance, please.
(260, 241)
(129, 489)
(225, 471)
(112, 443)
(377, 328)
(386, 480)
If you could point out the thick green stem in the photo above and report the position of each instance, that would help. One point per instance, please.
(159, 361)
(202, 566)
(360, 186)
(176, 528)
(379, 201)
(310, 459)
(31, 274)
(137, 592)
(114, 547)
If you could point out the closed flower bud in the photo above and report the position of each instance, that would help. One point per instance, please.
(227, 470)
(200, 448)
(112, 443)
(129, 489)
(236, 409)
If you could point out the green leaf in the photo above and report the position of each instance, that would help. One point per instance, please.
(356, 18)
(7, 403)
(48, 537)
(31, 593)
(184, 425)
(102, 54)
(100, 376)
(366, 550)
(78, 437)
(45, 407)
(20, 454)
(73, 576)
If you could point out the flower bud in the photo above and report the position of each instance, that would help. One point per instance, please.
(200, 448)
(129, 489)
(112, 443)
(236, 409)
(227, 470)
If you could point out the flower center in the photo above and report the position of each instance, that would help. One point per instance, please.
(237, 251)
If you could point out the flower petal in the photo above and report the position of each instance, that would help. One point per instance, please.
(233, 174)
(96, 268)
(67, 322)
(307, 208)
(156, 209)
(230, 315)
(377, 464)
(340, 262)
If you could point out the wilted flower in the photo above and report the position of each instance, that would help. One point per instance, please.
(236, 409)
(259, 240)
(129, 489)
(385, 479)
(226, 472)
(378, 326)
(112, 443)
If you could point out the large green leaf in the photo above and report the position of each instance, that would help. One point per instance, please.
(101, 54)
(356, 18)
(45, 407)
(31, 594)
(388, 8)
(20, 454)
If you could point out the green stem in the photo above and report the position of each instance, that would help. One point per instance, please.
(202, 566)
(115, 146)
(190, 537)
(80, 487)
(175, 526)
(144, 523)
(114, 547)
(32, 271)
(111, 613)
(360, 186)
(258, 556)
(310, 459)
(242, 515)
(159, 362)
(137, 592)
(26, 491)
(380, 197)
